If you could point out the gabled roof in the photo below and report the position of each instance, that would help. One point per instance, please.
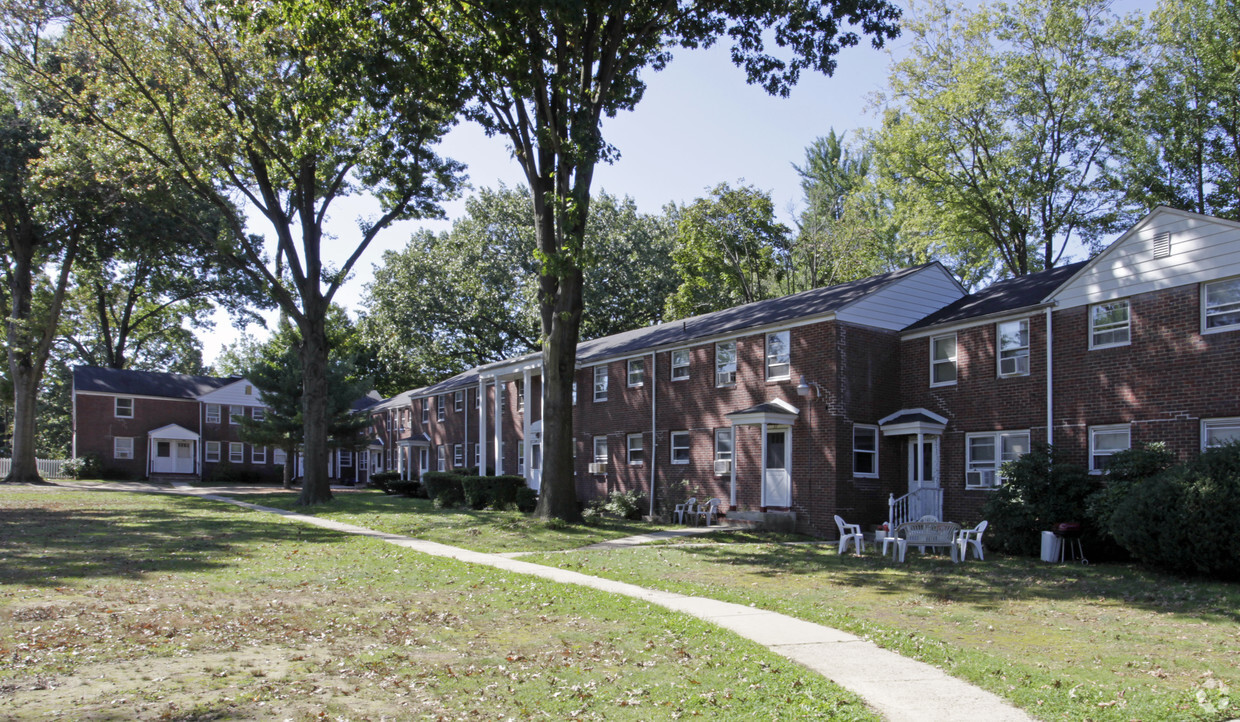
(144, 383)
(1010, 295)
(365, 402)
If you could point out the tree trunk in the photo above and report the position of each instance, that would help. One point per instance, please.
(25, 468)
(315, 486)
(25, 367)
(558, 492)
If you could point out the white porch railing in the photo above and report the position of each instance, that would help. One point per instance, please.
(927, 501)
(48, 468)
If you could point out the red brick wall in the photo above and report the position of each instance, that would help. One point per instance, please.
(96, 427)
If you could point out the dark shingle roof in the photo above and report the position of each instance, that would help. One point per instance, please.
(1009, 295)
(144, 383)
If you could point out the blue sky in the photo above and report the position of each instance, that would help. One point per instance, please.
(698, 125)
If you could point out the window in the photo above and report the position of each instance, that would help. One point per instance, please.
(502, 390)
(346, 459)
(258, 413)
(258, 455)
(680, 364)
(363, 460)
(249, 390)
(278, 456)
(458, 401)
(865, 451)
(1104, 441)
(637, 372)
(163, 449)
(439, 407)
(124, 408)
(521, 458)
(1217, 432)
(235, 413)
(426, 411)
(1109, 324)
(635, 449)
(600, 383)
(477, 399)
(478, 457)
(213, 413)
(441, 452)
(122, 447)
(458, 455)
(600, 449)
(680, 447)
(725, 363)
(1014, 348)
(236, 452)
(943, 360)
(723, 451)
(778, 360)
(213, 451)
(574, 393)
(521, 395)
(1220, 305)
(985, 455)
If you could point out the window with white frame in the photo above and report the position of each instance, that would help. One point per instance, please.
(122, 447)
(600, 383)
(600, 449)
(213, 413)
(943, 360)
(637, 371)
(346, 458)
(1220, 305)
(478, 457)
(574, 393)
(477, 399)
(680, 364)
(236, 452)
(521, 458)
(521, 395)
(502, 390)
(212, 451)
(426, 411)
(441, 456)
(258, 413)
(723, 451)
(258, 455)
(123, 408)
(680, 447)
(1013, 347)
(778, 356)
(363, 460)
(440, 412)
(458, 455)
(985, 455)
(636, 455)
(865, 451)
(1109, 324)
(278, 457)
(458, 401)
(1219, 432)
(1104, 442)
(725, 363)
(235, 413)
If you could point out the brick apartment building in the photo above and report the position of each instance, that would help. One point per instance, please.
(901, 387)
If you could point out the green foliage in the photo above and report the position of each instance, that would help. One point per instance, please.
(527, 499)
(405, 487)
(1038, 491)
(1183, 519)
(382, 480)
(492, 492)
(89, 466)
(729, 250)
(622, 504)
(444, 489)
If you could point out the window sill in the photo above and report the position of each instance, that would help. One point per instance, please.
(1109, 345)
(943, 384)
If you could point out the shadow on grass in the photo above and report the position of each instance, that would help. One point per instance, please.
(46, 545)
(986, 584)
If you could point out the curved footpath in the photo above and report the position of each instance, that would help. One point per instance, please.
(897, 687)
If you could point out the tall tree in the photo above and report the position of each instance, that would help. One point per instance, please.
(546, 73)
(729, 250)
(271, 104)
(999, 128)
(469, 296)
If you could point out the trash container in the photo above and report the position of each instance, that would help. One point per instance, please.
(1050, 546)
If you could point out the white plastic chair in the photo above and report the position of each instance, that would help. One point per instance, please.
(684, 511)
(708, 512)
(850, 533)
(972, 536)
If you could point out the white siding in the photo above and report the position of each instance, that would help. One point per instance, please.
(905, 301)
(233, 395)
(1202, 249)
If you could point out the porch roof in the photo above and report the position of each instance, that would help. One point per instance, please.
(775, 411)
(907, 422)
(415, 440)
(174, 432)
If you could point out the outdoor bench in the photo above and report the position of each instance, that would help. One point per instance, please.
(927, 534)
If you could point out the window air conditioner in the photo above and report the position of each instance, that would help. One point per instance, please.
(980, 479)
(598, 468)
(723, 466)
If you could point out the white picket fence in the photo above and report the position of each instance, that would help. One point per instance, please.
(48, 468)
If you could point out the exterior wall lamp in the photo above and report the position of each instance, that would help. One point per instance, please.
(803, 388)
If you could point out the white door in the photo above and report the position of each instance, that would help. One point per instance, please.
(185, 457)
(923, 481)
(424, 460)
(536, 465)
(163, 462)
(776, 479)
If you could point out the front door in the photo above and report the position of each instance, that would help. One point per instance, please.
(536, 465)
(923, 478)
(424, 460)
(163, 462)
(185, 457)
(776, 480)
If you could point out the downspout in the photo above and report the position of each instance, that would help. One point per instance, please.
(654, 427)
(1050, 395)
(201, 442)
(465, 408)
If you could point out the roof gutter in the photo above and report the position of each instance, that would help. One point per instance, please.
(973, 321)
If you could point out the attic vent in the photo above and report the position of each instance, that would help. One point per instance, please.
(1162, 245)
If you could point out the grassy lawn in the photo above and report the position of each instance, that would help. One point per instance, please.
(143, 606)
(1103, 642)
(482, 531)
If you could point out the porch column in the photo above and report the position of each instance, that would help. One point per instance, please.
(921, 458)
(525, 423)
(762, 478)
(482, 427)
(499, 436)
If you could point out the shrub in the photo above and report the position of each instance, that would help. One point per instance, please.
(89, 466)
(1038, 491)
(383, 480)
(625, 504)
(1184, 519)
(527, 499)
(444, 488)
(497, 492)
(405, 487)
